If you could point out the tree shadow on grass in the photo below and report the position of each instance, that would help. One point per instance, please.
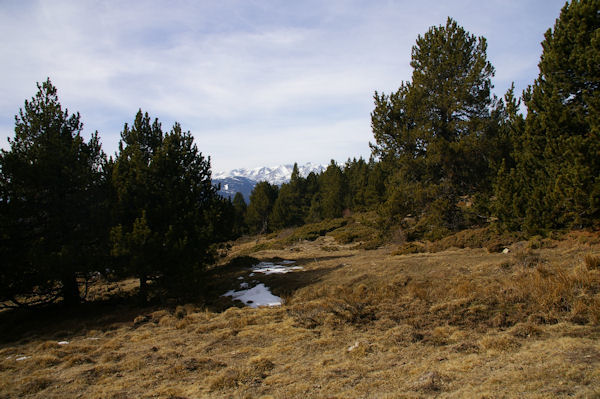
(58, 322)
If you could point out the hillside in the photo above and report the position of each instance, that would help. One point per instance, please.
(354, 323)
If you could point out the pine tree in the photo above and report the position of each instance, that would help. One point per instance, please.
(333, 192)
(168, 210)
(52, 201)
(432, 135)
(240, 207)
(262, 199)
(556, 179)
(289, 209)
(356, 173)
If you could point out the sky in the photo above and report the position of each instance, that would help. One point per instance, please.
(257, 83)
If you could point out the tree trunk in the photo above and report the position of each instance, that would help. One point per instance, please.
(70, 290)
(143, 294)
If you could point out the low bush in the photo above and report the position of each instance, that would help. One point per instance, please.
(592, 261)
(354, 232)
(410, 248)
(312, 231)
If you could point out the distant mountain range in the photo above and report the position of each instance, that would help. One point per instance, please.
(243, 180)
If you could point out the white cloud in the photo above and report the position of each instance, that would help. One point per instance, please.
(260, 80)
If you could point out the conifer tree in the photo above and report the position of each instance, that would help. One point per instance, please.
(262, 199)
(52, 201)
(333, 189)
(239, 207)
(556, 180)
(288, 209)
(433, 134)
(357, 175)
(168, 210)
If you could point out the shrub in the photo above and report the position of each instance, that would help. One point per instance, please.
(313, 231)
(410, 248)
(354, 232)
(592, 261)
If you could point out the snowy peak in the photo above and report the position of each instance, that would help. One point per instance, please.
(274, 175)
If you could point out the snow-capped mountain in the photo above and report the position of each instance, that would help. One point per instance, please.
(274, 175)
(243, 180)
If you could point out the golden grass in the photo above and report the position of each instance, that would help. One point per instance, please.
(455, 323)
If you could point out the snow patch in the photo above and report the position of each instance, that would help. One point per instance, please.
(63, 342)
(272, 268)
(259, 294)
(22, 358)
(255, 296)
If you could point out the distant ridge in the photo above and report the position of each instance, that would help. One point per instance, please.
(243, 180)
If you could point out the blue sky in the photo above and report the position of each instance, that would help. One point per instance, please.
(258, 83)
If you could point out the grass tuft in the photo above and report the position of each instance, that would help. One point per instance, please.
(592, 262)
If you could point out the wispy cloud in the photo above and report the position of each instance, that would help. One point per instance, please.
(255, 81)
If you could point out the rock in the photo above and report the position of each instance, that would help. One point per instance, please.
(354, 346)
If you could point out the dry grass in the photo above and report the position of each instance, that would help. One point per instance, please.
(454, 323)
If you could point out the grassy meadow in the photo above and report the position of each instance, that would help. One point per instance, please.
(402, 321)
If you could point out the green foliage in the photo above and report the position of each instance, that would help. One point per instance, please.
(288, 208)
(357, 185)
(435, 135)
(333, 189)
(169, 214)
(355, 232)
(53, 201)
(258, 214)
(312, 231)
(239, 208)
(552, 179)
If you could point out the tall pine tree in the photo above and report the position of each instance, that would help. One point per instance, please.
(556, 178)
(168, 210)
(433, 135)
(52, 202)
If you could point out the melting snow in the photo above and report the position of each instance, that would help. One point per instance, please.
(272, 268)
(256, 296)
(260, 295)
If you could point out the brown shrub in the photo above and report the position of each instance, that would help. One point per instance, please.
(526, 258)
(47, 360)
(253, 373)
(499, 343)
(592, 261)
(35, 385)
(410, 248)
(354, 232)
